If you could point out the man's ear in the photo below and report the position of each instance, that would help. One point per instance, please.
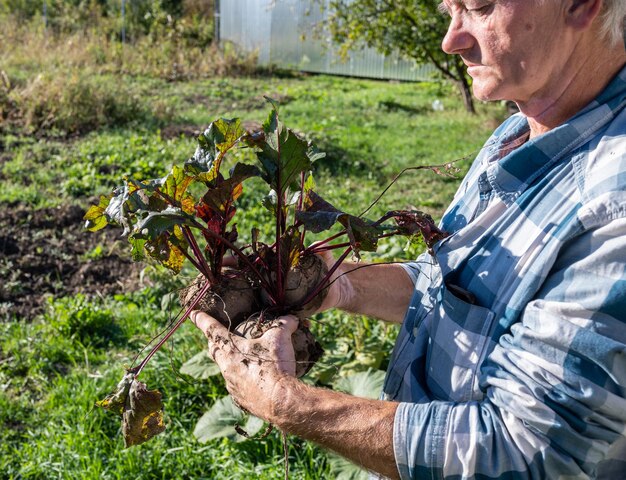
(581, 13)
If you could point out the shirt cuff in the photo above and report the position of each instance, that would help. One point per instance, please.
(419, 433)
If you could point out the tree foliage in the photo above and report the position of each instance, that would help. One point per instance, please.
(414, 28)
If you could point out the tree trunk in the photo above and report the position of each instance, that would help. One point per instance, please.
(456, 74)
(462, 84)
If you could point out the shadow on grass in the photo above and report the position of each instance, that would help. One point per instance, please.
(392, 106)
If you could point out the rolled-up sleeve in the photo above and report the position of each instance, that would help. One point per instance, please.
(412, 269)
(555, 384)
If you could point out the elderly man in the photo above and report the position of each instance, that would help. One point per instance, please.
(511, 361)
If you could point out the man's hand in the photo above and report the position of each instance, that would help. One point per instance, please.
(259, 375)
(252, 368)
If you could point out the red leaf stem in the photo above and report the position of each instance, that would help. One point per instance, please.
(240, 254)
(206, 269)
(137, 370)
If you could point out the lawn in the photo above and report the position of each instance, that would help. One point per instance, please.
(74, 310)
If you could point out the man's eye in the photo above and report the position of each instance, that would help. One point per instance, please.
(484, 10)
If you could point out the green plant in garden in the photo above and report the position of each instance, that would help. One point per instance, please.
(189, 215)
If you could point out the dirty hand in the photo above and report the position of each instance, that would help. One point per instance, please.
(252, 368)
(341, 291)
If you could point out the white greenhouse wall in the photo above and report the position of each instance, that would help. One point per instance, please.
(281, 32)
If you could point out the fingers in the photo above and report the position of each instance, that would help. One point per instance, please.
(284, 326)
(290, 323)
(207, 324)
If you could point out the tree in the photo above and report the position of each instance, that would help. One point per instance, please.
(414, 28)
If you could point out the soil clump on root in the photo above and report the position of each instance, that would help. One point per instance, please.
(231, 302)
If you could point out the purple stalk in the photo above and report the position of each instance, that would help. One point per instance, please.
(280, 294)
(300, 205)
(434, 168)
(191, 240)
(193, 261)
(137, 370)
(313, 248)
(237, 252)
(323, 248)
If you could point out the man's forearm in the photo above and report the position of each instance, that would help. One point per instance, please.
(356, 428)
(378, 290)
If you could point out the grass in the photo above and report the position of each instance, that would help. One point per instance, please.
(53, 368)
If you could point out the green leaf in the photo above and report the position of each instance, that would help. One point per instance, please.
(115, 211)
(367, 384)
(168, 250)
(95, 218)
(160, 236)
(309, 184)
(369, 358)
(283, 155)
(220, 421)
(115, 401)
(200, 366)
(314, 154)
(224, 195)
(272, 102)
(132, 198)
(243, 171)
(175, 187)
(217, 139)
(157, 223)
(137, 250)
(319, 215)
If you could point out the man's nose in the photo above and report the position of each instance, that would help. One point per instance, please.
(457, 39)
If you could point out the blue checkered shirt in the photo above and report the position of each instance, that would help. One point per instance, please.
(511, 361)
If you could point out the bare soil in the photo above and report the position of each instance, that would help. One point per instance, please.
(45, 252)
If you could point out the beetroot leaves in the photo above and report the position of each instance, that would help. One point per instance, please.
(190, 216)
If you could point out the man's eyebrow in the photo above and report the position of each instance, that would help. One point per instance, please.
(442, 8)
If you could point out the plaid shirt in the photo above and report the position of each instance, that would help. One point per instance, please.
(511, 361)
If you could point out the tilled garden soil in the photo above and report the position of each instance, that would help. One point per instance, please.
(47, 251)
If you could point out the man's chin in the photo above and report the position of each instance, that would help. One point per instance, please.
(485, 93)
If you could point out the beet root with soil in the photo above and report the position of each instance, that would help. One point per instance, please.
(231, 301)
(234, 302)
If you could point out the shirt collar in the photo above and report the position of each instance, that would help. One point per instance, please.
(511, 174)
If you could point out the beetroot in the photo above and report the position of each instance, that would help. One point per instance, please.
(301, 281)
(231, 301)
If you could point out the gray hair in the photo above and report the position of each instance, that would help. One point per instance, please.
(613, 20)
